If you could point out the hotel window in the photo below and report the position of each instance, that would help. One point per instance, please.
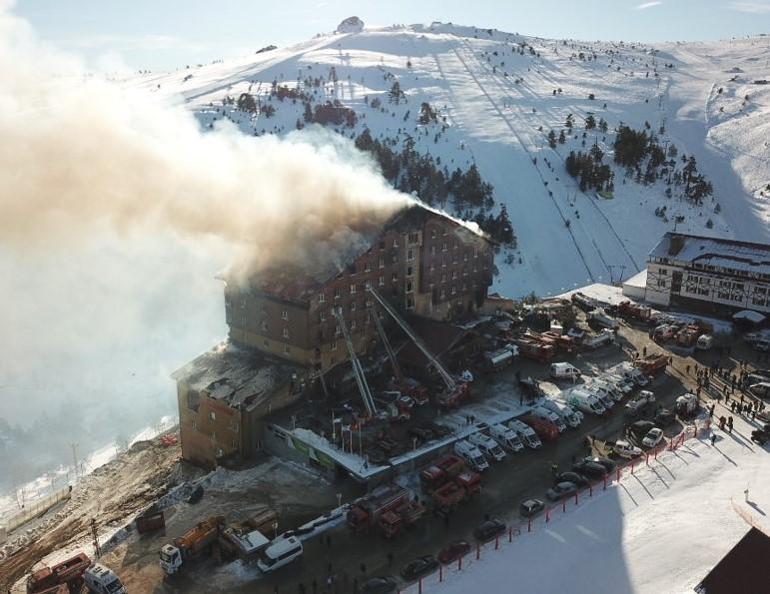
(337, 330)
(284, 314)
(409, 287)
(286, 333)
(321, 298)
(286, 349)
(454, 290)
(410, 254)
(212, 415)
(443, 246)
(433, 250)
(395, 277)
(382, 262)
(264, 326)
(409, 271)
(414, 238)
(381, 281)
(367, 267)
(352, 324)
(334, 345)
(322, 315)
(352, 289)
(395, 243)
(443, 293)
(410, 302)
(353, 306)
(337, 292)
(433, 234)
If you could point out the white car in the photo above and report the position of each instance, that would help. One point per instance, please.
(653, 438)
(626, 450)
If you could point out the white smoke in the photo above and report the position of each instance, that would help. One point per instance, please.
(116, 212)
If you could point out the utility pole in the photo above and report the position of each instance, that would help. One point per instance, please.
(95, 534)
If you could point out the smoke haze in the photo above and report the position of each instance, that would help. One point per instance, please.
(116, 213)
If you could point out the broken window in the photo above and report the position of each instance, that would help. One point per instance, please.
(409, 271)
(409, 288)
(193, 400)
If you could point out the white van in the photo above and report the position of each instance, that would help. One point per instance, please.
(506, 437)
(564, 371)
(548, 415)
(630, 373)
(570, 416)
(102, 580)
(705, 342)
(282, 551)
(471, 455)
(488, 446)
(607, 387)
(527, 434)
(584, 401)
(601, 393)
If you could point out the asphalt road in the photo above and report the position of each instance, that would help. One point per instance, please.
(526, 474)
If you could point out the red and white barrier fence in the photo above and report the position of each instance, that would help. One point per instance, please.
(689, 432)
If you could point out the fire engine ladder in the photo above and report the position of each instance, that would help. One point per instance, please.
(445, 375)
(358, 370)
(388, 347)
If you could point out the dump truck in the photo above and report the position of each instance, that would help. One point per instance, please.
(68, 573)
(389, 508)
(652, 364)
(535, 350)
(191, 544)
(627, 309)
(150, 522)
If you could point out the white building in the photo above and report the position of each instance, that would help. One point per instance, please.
(709, 274)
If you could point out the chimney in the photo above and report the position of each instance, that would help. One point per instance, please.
(675, 245)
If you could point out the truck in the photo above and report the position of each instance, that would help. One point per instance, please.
(584, 302)
(150, 521)
(488, 446)
(568, 415)
(506, 437)
(545, 430)
(584, 401)
(630, 373)
(500, 358)
(603, 338)
(455, 397)
(193, 543)
(526, 433)
(562, 371)
(69, 574)
(461, 488)
(599, 317)
(536, 351)
(550, 416)
(634, 311)
(652, 364)
(389, 508)
(441, 471)
(471, 455)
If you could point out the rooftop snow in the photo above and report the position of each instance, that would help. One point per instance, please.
(714, 251)
(235, 374)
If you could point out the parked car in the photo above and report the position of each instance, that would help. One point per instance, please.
(640, 402)
(608, 464)
(664, 417)
(379, 585)
(531, 507)
(761, 436)
(590, 470)
(489, 529)
(626, 449)
(454, 551)
(419, 567)
(571, 477)
(652, 438)
(561, 490)
(761, 390)
(636, 431)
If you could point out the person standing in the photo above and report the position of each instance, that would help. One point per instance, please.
(713, 438)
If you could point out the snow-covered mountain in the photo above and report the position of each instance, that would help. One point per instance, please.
(496, 96)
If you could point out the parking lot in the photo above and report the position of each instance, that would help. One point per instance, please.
(351, 558)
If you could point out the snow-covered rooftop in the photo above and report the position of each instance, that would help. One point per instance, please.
(714, 251)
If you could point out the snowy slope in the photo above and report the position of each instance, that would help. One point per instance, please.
(498, 95)
(660, 530)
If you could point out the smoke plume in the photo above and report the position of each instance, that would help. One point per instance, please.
(78, 150)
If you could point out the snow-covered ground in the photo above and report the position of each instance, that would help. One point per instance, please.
(659, 530)
(497, 96)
